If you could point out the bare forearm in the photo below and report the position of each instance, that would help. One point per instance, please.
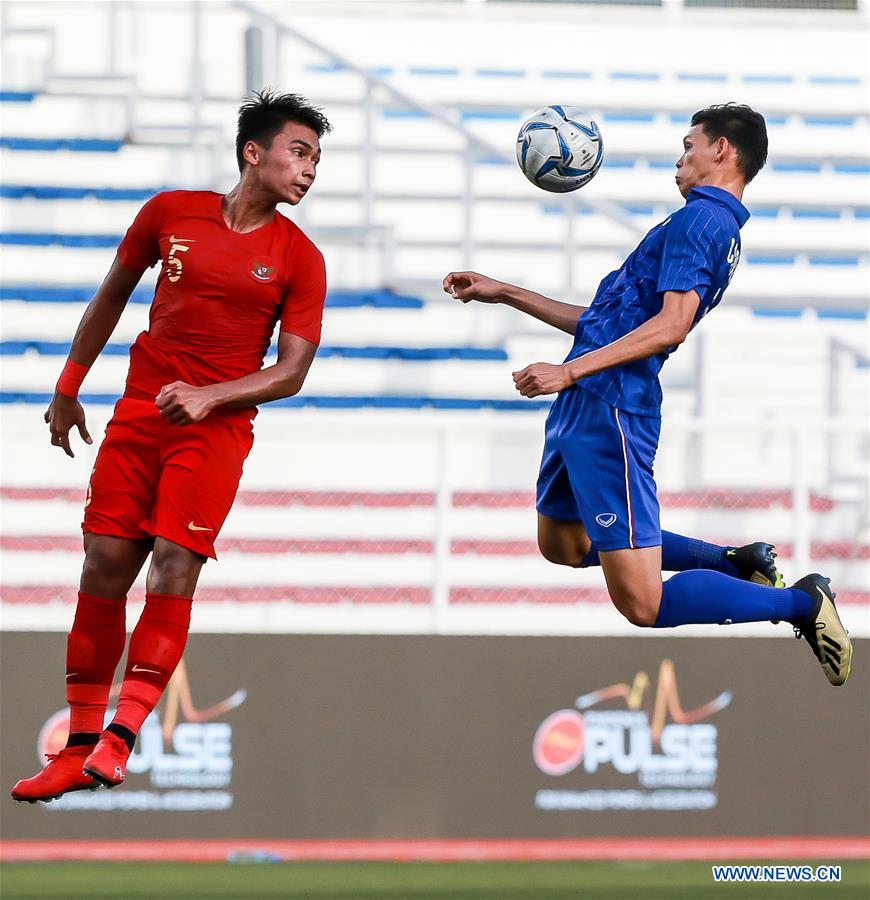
(653, 337)
(183, 404)
(563, 316)
(96, 327)
(664, 330)
(271, 383)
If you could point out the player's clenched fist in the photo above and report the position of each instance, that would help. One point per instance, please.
(184, 404)
(541, 378)
(467, 286)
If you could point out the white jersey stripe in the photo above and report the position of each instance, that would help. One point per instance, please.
(627, 483)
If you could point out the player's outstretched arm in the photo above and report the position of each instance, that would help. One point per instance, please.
(96, 327)
(184, 404)
(466, 286)
(664, 330)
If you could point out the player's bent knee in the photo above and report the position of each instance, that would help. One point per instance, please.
(104, 565)
(640, 611)
(643, 617)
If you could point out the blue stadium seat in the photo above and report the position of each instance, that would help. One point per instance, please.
(76, 145)
(424, 70)
(319, 402)
(35, 293)
(408, 354)
(36, 239)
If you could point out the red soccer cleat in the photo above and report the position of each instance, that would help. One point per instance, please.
(62, 775)
(107, 764)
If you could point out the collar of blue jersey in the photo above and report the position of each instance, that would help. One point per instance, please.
(708, 192)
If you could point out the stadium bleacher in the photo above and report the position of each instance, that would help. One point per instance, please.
(80, 153)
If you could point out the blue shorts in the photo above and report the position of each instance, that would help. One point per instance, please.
(598, 469)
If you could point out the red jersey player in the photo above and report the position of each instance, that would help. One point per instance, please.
(169, 467)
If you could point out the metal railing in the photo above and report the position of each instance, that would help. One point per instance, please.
(379, 91)
(433, 528)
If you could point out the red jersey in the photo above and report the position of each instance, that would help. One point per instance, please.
(219, 293)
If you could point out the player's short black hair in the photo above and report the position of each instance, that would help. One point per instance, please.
(265, 113)
(745, 130)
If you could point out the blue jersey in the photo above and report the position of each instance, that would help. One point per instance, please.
(696, 248)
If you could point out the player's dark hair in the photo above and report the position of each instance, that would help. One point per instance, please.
(266, 113)
(745, 130)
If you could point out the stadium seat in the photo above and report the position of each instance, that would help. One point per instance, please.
(78, 164)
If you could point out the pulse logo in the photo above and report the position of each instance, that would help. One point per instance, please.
(658, 757)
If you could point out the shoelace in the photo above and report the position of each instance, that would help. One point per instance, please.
(814, 645)
(820, 626)
(51, 757)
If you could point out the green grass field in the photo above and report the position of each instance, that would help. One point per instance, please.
(403, 881)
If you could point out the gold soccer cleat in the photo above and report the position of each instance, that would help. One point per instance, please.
(823, 629)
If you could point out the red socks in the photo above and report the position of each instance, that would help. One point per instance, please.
(93, 649)
(96, 644)
(155, 650)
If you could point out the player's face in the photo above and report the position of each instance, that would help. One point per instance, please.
(288, 168)
(697, 162)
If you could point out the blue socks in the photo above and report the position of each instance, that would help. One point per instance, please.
(708, 589)
(704, 597)
(679, 554)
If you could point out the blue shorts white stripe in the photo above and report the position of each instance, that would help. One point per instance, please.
(631, 542)
(597, 468)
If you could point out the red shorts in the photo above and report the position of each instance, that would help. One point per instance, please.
(155, 479)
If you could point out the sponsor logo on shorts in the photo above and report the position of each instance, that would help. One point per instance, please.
(605, 519)
(192, 527)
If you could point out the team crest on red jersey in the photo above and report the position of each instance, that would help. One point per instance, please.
(261, 269)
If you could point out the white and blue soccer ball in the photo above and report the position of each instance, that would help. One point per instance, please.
(559, 149)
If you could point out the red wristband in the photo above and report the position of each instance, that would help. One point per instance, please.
(71, 379)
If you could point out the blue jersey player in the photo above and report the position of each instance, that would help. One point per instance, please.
(596, 497)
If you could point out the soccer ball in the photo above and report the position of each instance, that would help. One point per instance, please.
(559, 149)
